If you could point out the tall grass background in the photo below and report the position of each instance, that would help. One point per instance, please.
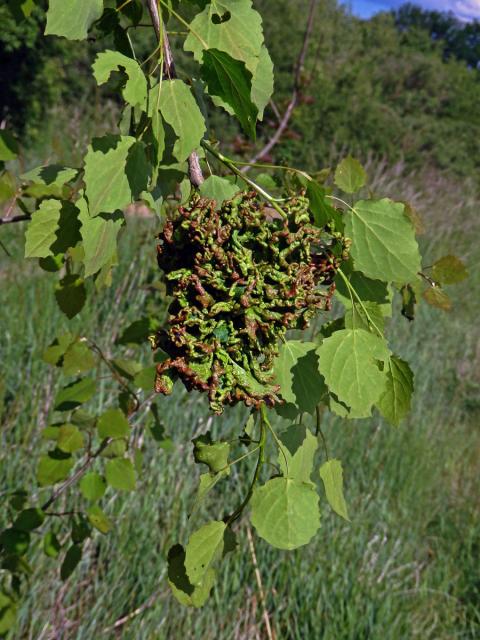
(407, 564)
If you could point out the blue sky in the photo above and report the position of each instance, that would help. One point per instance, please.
(463, 9)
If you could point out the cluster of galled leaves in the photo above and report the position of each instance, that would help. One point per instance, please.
(76, 215)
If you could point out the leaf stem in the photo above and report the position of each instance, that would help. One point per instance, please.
(351, 289)
(242, 457)
(231, 165)
(185, 23)
(260, 460)
(277, 440)
(340, 200)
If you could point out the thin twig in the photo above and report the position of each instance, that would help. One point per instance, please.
(297, 82)
(261, 591)
(9, 219)
(136, 612)
(194, 170)
(78, 474)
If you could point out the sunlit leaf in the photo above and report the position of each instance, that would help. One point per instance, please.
(285, 512)
(135, 89)
(231, 81)
(350, 176)
(395, 402)
(72, 19)
(331, 474)
(384, 245)
(349, 363)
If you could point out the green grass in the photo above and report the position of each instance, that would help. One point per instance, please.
(405, 567)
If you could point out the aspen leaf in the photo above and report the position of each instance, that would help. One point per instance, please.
(331, 474)
(285, 512)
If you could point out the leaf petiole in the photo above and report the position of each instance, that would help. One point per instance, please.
(351, 290)
(231, 165)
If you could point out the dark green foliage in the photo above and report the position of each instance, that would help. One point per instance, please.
(457, 39)
(374, 88)
(37, 73)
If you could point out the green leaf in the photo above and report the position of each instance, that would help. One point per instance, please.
(232, 27)
(449, 270)
(78, 358)
(8, 186)
(180, 110)
(69, 438)
(29, 519)
(72, 19)
(70, 562)
(8, 612)
(71, 295)
(145, 379)
(75, 394)
(113, 424)
(53, 354)
(14, 541)
(409, 301)
(322, 210)
(8, 146)
(206, 483)
(368, 290)
(51, 545)
(383, 241)
(93, 486)
(81, 529)
(350, 176)
(135, 89)
(98, 519)
(296, 371)
(54, 467)
(297, 455)
(21, 9)
(394, 404)
(231, 81)
(213, 454)
(107, 183)
(116, 449)
(82, 419)
(49, 180)
(204, 547)
(126, 368)
(435, 297)
(218, 189)
(138, 331)
(182, 589)
(262, 82)
(41, 230)
(355, 317)
(18, 499)
(285, 512)
(331, 474)
(100, 243)
(349, 363)
(120, 474)
(53, 229)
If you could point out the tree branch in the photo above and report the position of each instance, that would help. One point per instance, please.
(297, 81)
(9, 219)
(194, 170)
